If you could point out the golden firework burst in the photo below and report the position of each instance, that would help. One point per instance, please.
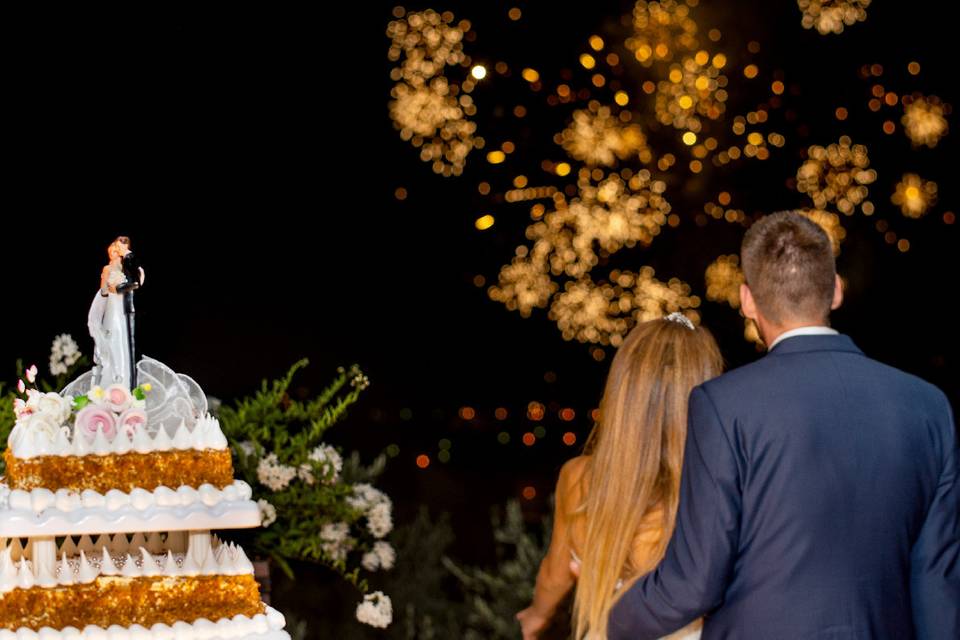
(829, 222)
(602, 313)
(662, 31)
(429, 111)
(597, 137)
(838, 175)
(524, 285)
(914, 195)
(923, 121)
(694, 87)
(724, 277)
(830, 16)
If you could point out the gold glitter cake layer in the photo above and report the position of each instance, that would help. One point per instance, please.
(123, 472)
(116, 600)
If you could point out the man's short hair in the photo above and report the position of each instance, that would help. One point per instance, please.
(789, 265)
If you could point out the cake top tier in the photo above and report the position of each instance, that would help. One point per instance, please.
(165, 410)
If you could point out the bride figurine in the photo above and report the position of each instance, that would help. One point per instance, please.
(110, 320)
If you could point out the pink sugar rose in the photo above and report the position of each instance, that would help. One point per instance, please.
(118, 398)
(92, 418)
(131, 421)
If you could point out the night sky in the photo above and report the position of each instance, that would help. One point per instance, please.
(250, 156)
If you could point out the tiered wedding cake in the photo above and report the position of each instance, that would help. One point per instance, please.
(106, 512)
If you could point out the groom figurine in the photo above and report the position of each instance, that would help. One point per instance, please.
(133, 273)
(819, 495)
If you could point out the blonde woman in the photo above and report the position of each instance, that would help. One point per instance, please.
(616, 504)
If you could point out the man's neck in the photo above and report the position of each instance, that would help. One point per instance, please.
(774, 335)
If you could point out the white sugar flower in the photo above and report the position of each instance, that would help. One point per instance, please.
(370, 561)
(53, 405)
(376, 610)
(268, 513)
(33, 398)
(118, 398)
(379, 520)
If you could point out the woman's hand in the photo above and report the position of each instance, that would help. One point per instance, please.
(532, 623)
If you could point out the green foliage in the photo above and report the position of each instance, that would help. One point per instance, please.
(419, 578)
(272, 423)
(494, 597)
(7, 417)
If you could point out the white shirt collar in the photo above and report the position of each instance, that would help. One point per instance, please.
(803, 331)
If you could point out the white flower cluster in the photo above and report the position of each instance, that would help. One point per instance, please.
(329, 460)
(305, 473)
(376, 610)
(268, 513)
(375, 505)
(360, 381)
(274, 475)
(336, 540)
(64, 353)
(357, 378)
(247, 447)
(382, 556)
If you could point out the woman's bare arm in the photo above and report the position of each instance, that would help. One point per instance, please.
(554, 579)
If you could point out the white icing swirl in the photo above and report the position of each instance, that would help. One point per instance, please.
(38, 434)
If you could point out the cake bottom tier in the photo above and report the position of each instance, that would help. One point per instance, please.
(262, 626)
(122, 601)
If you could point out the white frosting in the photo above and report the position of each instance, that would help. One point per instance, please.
(40, 499)
(18, 519)
(25, 578)
(226, 560)
(28, 440)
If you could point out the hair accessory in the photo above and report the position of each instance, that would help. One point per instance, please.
(679, 318)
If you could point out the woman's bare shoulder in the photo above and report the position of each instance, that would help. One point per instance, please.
(572, 476)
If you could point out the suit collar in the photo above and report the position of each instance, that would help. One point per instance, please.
(804, 344)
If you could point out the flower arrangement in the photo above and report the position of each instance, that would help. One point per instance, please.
(45, 409)
(311, 510)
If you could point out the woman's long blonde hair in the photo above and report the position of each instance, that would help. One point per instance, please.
(635, 455)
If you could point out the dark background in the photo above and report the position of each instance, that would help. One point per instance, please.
(250, 156)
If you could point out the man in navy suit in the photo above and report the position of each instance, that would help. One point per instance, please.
(819, 496)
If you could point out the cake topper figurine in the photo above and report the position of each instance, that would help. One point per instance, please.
(111, 317)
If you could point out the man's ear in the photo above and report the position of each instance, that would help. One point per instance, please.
(837, 293)
(747, 303)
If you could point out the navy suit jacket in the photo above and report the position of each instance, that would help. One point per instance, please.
(819, 499)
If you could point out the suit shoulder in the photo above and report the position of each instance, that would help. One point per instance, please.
(750, 374)
(914, 385)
